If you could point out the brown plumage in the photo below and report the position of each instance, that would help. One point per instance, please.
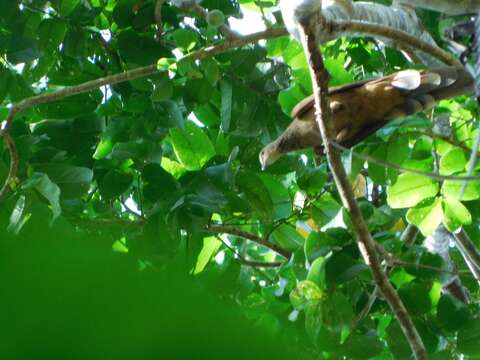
(361, 108)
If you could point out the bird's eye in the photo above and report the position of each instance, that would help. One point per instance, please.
(336, 107)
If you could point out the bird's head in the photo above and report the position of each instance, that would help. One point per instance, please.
(269, 154)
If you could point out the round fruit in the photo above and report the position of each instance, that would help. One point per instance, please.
(215, 18)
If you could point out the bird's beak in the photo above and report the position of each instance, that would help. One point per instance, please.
(268, 155)
(263, 162)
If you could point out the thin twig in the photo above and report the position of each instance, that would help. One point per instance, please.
(366, 244)
(245, 261)
(131, 211)
(158, 18)
(12, 173)
(224, 29)
(366, 309)
(471, 163)
(262, 264)
(138, 72)
(114, 79)
(409, 234)
(470, 252)
(221, 229)
(448, 140)
(390, 165)
(433, 268)
(405, 39)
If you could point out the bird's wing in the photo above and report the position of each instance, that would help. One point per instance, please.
(306, 104)
(421, 88)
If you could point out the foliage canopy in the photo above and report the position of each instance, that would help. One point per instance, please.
(165, 169)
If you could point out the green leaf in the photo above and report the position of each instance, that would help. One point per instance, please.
(318, 244)
(336, 67)
(397, 152)
(337, 311)
(325, 209)
(452, 188)
(452, 162)
(452, 313)
(75, 43)
(163, 89)
(140, 49)
(198, 90)
(123, 13)
(312, 180)
(290, 97)
(410, 189)
(51, 33)
(469, 338)
(255, 192)
(104, 148)
(18, 217)
(363, 346)
(427, 216)
(396, 341)
(172, 167)
(22, 49)
(415, 296)
(5, 76)
(144, 17)
(175, 116)
(428, 263)
(114, 184)
(211, 70)
(294, 56)
(455, 214)
(341, 268)
(192, 146)
(378, 173)
(185, 39)
(210, 248)
(49, 190)
(226, 107)
(73, 181)
(316, 273)
(65, 7)
(279, 195)
(306, 294)
(71, 106)
(158, 183)
(287, 238)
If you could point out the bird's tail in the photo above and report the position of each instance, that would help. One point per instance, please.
(455, 81)
(422, 89)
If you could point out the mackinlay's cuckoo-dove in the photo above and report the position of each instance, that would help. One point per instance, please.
(361, 108)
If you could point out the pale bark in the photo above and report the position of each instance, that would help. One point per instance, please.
(366, 243)
(397, 18)
(451, 7)
(439, 243)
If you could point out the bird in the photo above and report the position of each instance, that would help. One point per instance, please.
(361, 108)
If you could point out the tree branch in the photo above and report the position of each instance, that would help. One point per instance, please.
(456, 7)
(221, 229)
(402, 169)
(469, 252)
(224, 29)
(12, 173)
(402, 37)
(409, 234)
(114, 79)
(363, 18)
(366, 244)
